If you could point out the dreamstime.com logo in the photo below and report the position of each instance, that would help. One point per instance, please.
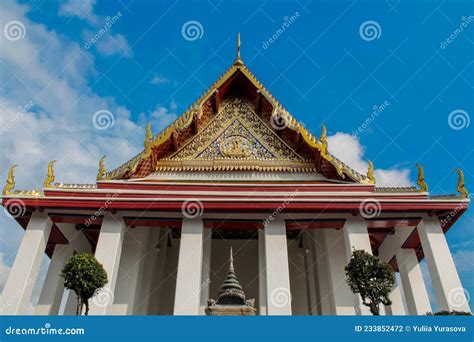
(103, 298)
(103, 119)
(14, 208)
(459, 119)
(14, 30)
(192, 208)
(192, 30)
(370, 208)
(280, 297)
(370, 30)
(458, 297)
(46, 330)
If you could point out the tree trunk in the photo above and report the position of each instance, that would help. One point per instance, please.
(87, 307)
(374, 309)
(79, 306)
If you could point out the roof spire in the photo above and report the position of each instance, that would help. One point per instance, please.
(238, 61)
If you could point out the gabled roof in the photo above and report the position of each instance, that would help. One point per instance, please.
(237, 80)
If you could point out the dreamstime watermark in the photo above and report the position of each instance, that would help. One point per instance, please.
(465, 21)
(287, 22)
(8, 302)
(192, 208)
(14, 208)
(100, 212)
(280, 208)
(377, 110)
(14, 30)
(109, 22)
(370, 30)
(278, 122)
(280, 297)
(20, 113)
(103, 119)
(46, 330)
(370, 208)
(192, 30)
(453, 213)
(196, 293)
(103, 297)
(459, 119)
(458, 297)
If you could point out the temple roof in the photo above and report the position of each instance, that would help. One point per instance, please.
(237, 82)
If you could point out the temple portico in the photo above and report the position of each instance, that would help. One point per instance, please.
(235, 171)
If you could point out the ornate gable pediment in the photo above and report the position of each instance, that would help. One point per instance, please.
(237, 135)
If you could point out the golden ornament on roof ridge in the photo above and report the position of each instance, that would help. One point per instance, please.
(50, 175)
(10, 184)
(461, 187)
(421, 178)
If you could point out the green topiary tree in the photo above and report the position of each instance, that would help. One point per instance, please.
(84, 275)
(370, 277)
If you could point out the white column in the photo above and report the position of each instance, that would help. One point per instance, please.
(396, 308)
(356, 237)
(262, 284)
(342, 299)
(416, 296)
(131, 264)
(277, 270)
(53, 288)
(24, 272)
(188, 280)
(321, 258)
(206, 269)
(444, 276)
(108, 253)
(311, 271)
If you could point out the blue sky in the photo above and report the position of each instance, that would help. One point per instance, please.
(324, 68)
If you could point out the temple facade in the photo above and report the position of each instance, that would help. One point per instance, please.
(235, 170)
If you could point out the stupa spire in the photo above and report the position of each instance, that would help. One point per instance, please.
(231, 291)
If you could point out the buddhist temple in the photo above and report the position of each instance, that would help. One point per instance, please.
(236, 169)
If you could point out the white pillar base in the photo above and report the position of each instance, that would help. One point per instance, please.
(277, 270)
(53, 288)
(24, 272)
(444, 276)
(108, 253)
(188, 280)
(416, 296)
(206, 270)
(262, 283)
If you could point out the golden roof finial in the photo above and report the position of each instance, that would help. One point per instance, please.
(238, 60)
(149, 133)
(101, 173)
(7, 189)
(50, 175)
(421, 179)
(370, 172)
(461, 188)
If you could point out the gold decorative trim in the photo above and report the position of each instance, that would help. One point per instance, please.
(421, 179)
(461, 188)
(50, 175)
(10, 184)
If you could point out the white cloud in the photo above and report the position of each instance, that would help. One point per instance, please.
(83, 9)
(349, 150)
(111, 44)
(159, 80)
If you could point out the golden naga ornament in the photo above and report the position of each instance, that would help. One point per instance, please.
(149, 133)
(461, 188)
(7, 189)
(370, 172)
(101, 173)
(421, 179)
(50, 176)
